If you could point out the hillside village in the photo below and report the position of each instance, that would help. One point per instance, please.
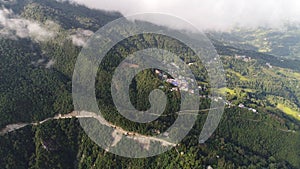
(181, 84)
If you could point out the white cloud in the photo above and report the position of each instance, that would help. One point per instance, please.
(80, 37)
(13, 26)
(211, 14)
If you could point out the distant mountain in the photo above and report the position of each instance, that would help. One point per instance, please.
(282, 42)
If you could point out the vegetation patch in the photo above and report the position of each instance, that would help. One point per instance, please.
(289, 111)
(226, 90)
(243, 78)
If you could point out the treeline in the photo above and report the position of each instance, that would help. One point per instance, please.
(243, 140)
(30, 91)
(65, 13)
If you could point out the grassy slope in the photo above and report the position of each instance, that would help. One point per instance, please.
(289, 111)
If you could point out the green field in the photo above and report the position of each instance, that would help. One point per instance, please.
(289, 111)
(226, 90)
(290, 73)
(242, 78)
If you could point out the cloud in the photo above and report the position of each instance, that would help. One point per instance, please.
(14, 27)
(211, 14)
(80, 37)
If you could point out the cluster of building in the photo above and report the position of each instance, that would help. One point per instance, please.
(180, 83)
(250, 109)
(230, 104)
(244, 58)
(253, 110)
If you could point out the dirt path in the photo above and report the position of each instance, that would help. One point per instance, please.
(83, 114)
(119, 132)
(13, 127)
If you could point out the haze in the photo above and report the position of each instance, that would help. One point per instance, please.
(211, 14)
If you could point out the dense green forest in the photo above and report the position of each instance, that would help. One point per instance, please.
(36, 83)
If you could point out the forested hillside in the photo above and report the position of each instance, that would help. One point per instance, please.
(259, 129)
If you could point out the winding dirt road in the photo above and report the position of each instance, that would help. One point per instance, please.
(83, 114)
